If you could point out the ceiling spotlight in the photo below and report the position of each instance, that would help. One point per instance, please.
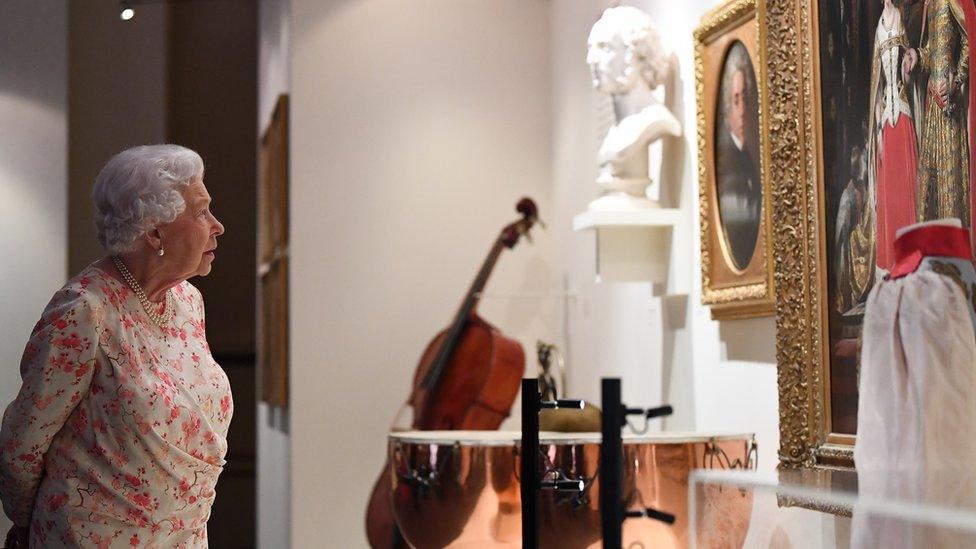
(126, 12)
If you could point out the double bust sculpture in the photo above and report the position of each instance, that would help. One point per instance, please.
(628, 62)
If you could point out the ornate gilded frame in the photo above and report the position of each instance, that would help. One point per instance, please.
(733, 293)
(789, 34)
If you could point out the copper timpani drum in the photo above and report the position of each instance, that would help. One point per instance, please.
(461, 488)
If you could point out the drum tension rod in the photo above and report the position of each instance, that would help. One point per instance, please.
(563, 485)
(649, 413)
(652, 513)
(560, 404)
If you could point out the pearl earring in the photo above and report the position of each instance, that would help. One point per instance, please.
(160, 252)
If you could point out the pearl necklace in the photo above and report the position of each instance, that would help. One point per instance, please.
(160, 319)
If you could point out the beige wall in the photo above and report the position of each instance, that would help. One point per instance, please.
(405, 153)
(717, 375)
(117, 99)
(33, 174)
(617, 329)
(415, 128)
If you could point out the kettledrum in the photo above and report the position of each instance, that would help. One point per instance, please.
(461, 488)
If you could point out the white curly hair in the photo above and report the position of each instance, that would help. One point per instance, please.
(644, 50)
(736, 61)
(138, 190)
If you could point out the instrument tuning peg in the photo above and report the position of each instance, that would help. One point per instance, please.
(523, 230)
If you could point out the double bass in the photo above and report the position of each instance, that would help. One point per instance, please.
(468, 378)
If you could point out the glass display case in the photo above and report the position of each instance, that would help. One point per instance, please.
(826, 508)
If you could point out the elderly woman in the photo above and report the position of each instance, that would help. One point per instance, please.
(118, 433)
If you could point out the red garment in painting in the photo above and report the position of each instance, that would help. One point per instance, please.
(897, 165)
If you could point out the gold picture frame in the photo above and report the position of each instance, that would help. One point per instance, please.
(789, 32)
(743, 287)
(817, 58)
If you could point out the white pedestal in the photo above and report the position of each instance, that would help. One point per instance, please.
(632, 245)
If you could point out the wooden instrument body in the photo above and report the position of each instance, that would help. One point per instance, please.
(468, 378)
(482, 379)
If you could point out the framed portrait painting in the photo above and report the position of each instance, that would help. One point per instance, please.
(733, 202)
(873, 103)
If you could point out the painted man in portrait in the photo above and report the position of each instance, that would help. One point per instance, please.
(854, 240)
(945, 81)
(738, 185)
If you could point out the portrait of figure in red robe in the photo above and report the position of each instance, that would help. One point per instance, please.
(898, 89)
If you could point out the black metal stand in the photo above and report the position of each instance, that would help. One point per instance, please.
(612, 505)
(530, 481)
(529, 468)
(611, 470)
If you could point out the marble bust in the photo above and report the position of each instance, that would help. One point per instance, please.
(627, 62)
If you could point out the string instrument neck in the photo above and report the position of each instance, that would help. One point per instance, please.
(468, 305)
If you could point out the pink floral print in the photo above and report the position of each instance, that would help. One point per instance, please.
(118, 433)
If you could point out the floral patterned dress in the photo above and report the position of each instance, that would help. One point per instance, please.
(118, 433)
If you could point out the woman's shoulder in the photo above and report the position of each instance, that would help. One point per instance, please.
(89, 286)
(82, 300)
(190, 297)
(188, 292)
(95, 286)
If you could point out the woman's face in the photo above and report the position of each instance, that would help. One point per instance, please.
(190, 239)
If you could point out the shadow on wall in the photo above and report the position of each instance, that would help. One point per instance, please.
(670, 181)
(749, 340)
(674, 311)
(673, 153)
(278, 419)
(536, 279)
(674, 307)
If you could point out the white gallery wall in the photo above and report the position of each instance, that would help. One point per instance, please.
(662, 341)
(719, 376)
(33, 174)
(416, 126)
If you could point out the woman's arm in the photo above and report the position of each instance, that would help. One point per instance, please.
(57, 369)
(962, 65)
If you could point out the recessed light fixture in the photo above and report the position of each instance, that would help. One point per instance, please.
(125, 11)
